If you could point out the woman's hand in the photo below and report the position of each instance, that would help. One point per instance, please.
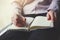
(18, 20)
(51, 15)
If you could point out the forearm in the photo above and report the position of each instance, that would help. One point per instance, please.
(54, 5)
(17, 18)
(16, 8)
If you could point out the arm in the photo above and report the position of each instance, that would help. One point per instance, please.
(17, 19)
(53, 8)
(54, 5)
(18, 5)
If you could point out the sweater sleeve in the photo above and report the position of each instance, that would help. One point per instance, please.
(54, 5)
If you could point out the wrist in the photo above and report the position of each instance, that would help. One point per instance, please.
(50, 10)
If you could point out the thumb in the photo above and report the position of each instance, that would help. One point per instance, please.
(48, 17)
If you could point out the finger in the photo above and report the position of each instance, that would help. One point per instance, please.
(48, 17)
(21, 18)
(51, 16)
(17, 20)
(18, 25)
(54, 15)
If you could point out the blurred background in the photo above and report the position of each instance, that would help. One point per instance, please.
(5, 13)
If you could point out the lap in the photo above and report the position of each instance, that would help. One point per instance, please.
(45, 34)
(15, 35)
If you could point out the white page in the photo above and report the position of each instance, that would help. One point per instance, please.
(29, 20)
(41, 22)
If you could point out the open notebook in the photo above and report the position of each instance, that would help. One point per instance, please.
(39, 22)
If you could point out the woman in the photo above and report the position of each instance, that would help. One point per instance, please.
(24, 8)
(45, 5)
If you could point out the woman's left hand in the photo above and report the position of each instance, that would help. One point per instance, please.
(51, 15)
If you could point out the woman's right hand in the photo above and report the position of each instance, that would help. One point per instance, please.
(18, 20)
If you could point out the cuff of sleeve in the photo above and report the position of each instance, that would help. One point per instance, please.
(51, 10)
